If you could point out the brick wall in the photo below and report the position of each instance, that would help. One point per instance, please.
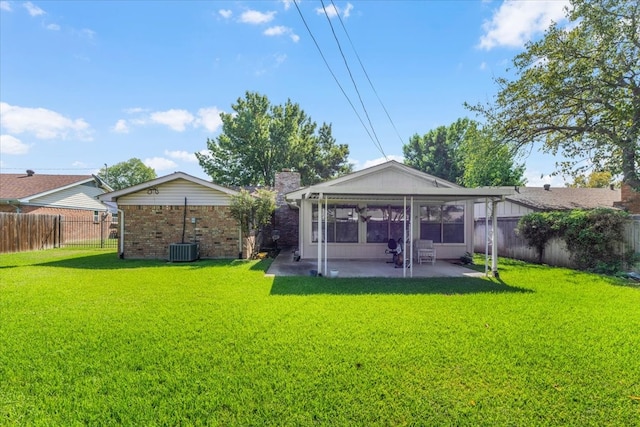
(630, 199)
(149, 230)
(286, 218)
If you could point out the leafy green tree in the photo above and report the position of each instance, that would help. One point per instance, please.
(596, 179)
(437, 151)
(253, 211)
(577, 91)
(465, 153)
(486, 161)
(126, 174)
(259, 139)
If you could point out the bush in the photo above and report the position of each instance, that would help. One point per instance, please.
(592, 236)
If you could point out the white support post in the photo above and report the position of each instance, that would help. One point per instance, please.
(404, 240)
(494, 239)
(486, 236)
(411, 218)
(319, 233)
(326, 209)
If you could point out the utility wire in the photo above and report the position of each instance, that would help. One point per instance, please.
(346, 64)
(367, 76)
(295, 2)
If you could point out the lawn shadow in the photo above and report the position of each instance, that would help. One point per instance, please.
(296, 285)
(112, 262)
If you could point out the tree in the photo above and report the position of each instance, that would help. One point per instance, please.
(125, 174)
(437, 151)
(259, 139)
(252, 211)
(596, 179)
(465, 153)
(577, 91)
(486, 161)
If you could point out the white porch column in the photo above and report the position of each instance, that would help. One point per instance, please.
(319, 267)
(486, 235)
(411, 220)
(326, 208)
(494, 239)
(404, 240)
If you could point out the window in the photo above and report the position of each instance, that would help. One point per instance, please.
(442, 224)
(384, 223)
(96, 217)
(342, 224)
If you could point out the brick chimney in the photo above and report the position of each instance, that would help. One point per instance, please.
(286, 218)
(630, 199)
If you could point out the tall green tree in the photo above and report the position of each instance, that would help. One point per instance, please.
(126, 174)
(258, 139)
(437, 151)
(486, 161)
(596, 179)
(577, 91)
(465, 153)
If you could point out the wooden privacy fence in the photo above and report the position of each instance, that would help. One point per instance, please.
(22, 232)
(27, 232)
(510, 245)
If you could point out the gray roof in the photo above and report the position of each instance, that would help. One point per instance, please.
(564, 198)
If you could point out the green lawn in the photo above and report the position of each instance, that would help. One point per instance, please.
(89, 339)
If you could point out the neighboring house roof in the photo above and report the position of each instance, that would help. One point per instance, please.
(114, 195)
(64, 191)
(565, 198)
(392, 180)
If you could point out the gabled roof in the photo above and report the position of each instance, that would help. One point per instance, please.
(565, 198)
(114, 195)
(392, 181)
(22, 187)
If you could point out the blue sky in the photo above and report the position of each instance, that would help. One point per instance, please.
(88, 83)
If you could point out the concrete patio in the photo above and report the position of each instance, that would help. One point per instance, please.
(285, 265)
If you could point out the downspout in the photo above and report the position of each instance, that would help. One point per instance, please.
(121, 219)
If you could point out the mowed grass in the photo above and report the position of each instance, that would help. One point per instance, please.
(89, 339)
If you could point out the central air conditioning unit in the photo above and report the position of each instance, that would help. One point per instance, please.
(179, 252)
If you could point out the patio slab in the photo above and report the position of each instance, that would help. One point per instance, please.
(284, 265)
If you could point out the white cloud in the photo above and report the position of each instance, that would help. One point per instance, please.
(43, 123)
(182, 155)
(256, 17)
(225, 13)
(53, 27)
(121, 126)
(483, 65)
(175, 119)
(33, 9)
(379, 160)
(12, 145)
(135, 110)
(287, 4)
(516, 22)
(5, 5)
(281, 30)
(276, 31)
(332, 10)
(160, 163)
(209, 118)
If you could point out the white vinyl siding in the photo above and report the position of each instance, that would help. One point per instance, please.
(76, 197)
(173, 193)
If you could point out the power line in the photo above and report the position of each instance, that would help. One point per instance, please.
(367, 76)
(295, 2)
(346, 64)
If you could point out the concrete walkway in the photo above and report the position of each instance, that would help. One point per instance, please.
(284, 265)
